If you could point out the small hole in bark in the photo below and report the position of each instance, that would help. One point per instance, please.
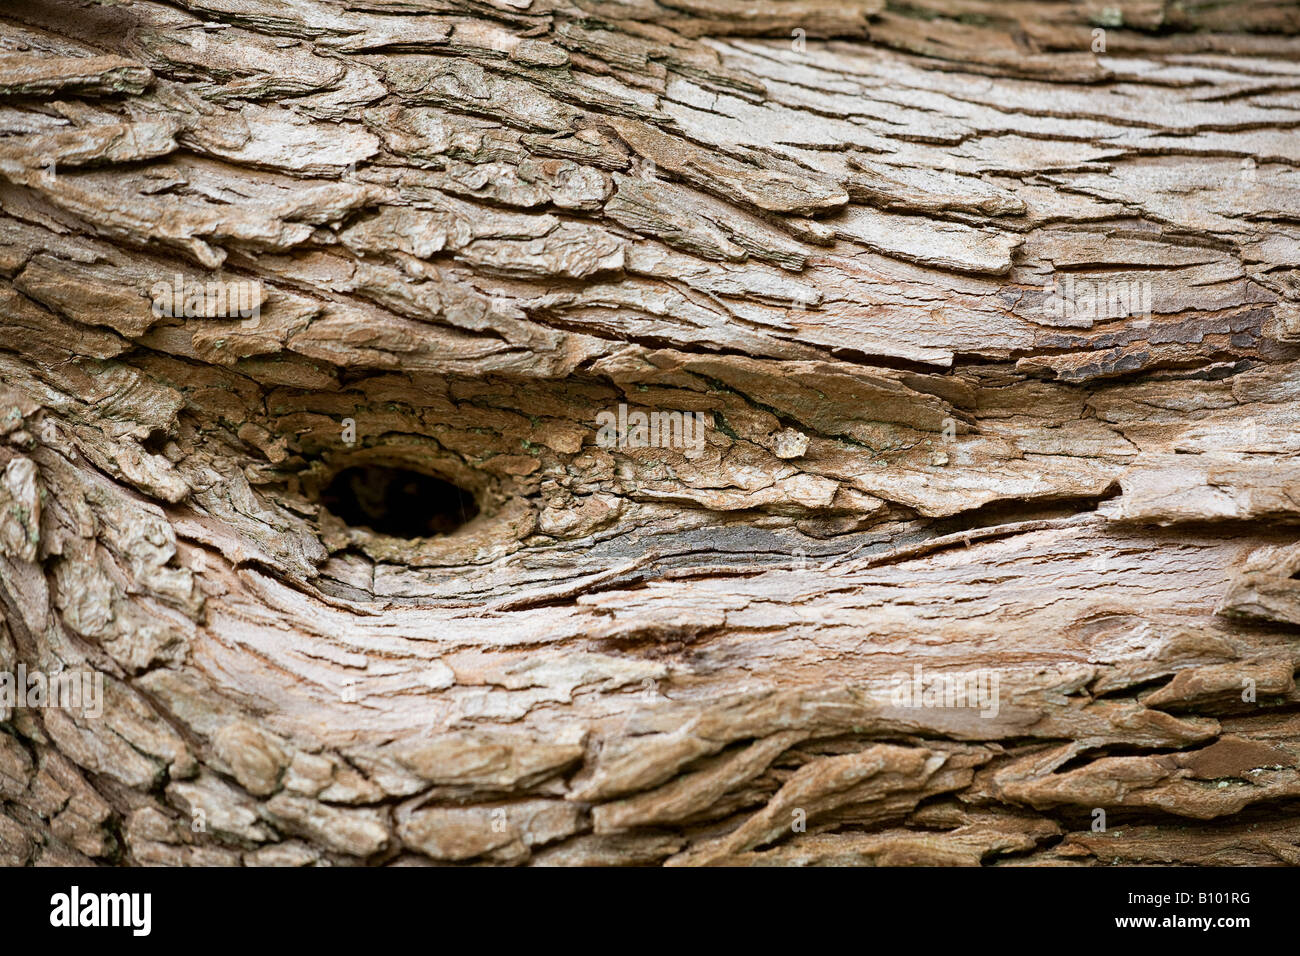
(156, 441)
(397, 501)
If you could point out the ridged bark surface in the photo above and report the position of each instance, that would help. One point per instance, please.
(988, 313)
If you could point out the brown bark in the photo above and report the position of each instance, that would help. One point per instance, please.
(830, 229)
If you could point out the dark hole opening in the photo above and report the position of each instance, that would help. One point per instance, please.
(397, 501)
(156, 442)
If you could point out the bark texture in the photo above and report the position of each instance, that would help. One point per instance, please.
(829, 227)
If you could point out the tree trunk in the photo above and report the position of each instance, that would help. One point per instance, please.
(589, 432)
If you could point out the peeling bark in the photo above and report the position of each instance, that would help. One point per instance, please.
(988, 314)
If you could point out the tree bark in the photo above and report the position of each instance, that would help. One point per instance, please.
(988, 311)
